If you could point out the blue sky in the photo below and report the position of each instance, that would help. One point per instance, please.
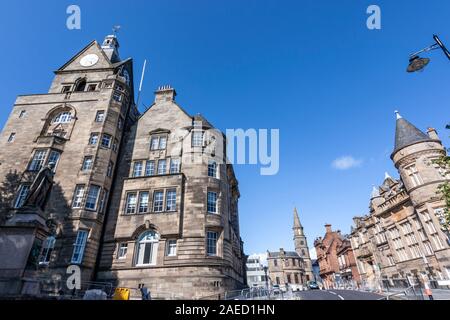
(310, 68)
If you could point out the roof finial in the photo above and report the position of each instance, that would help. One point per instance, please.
(387, 176)
(397, 114)
(116, 29)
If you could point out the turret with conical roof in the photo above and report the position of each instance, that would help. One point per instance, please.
(413, 156)
(301, 246)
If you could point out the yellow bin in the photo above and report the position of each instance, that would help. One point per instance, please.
(121, 294)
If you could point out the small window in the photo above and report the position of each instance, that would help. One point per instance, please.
(130, 206)
(117, 96)
(115, 145)
(79, 246)
(103, 200)
(171, 200)
(47, 250)
(120, 123)
(93, 140)
(110, 169)
(158, 201)
(78, 196)
(122, 252)
(197, 138)
(143, 201)
(174, 165)
(212, 169)
(11, 137)
(92, 197)
(137, 169)
(162, 166)
(65, 89)
(150, 168)
(212, 202)
(171, 248)
(22, 114)
(106, 140)
(88, 162)
(211, 243)
(81, 85)
(22, 195)
(92, 87)
(100, 116)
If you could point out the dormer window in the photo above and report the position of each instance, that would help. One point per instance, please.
(158, 142)
(63, 117)
(197, 138)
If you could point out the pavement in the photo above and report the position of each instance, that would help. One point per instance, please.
(337, 295)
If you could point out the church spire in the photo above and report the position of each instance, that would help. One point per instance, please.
(297, 225)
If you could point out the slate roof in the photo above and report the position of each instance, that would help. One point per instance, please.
(407, 134)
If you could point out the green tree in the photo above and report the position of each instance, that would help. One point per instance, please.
(8, 190)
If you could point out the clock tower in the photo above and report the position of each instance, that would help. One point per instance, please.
(78, 126)
(301, 246)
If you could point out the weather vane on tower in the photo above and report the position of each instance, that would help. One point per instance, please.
(116, 29)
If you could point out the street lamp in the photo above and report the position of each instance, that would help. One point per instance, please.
(417, 63)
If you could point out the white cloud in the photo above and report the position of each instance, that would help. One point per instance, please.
(312, 253)
(346, 162)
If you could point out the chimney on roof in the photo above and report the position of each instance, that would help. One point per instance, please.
(165, 93)
(432, 133)
(328, 227)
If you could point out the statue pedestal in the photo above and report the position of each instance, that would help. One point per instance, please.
(21, 237)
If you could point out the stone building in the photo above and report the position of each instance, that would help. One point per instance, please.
(337, 264)
(403, 238)
(292, 267)
(78, 126)
(137, 199)
(286, 269)
(173, 219)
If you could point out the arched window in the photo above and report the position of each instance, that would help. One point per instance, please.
(81, 85)
(63, 117)
(147, 248)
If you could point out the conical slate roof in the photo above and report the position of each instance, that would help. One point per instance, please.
(297, 223)
(407, 134)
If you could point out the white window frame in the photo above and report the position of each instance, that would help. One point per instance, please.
(162, 166)
(79, 246)
(212, 169)
(122, 250)
(138, 167)
(106, 137)
(158, 205)
(147, 203)
(150, 168)
(131, 206)
(88, 163)
(174, 165)
(212, 239)
(141, 245)
(172, 206)
(213, 204)
(100, 116)
(78, 196)
(38, 160)
(90, 197)
(171, 250)
(94, 138)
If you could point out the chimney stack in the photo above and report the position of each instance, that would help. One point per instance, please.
(165, 93)
(432, 133)
(328, 227)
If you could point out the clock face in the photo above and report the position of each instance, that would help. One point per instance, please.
(89, 60)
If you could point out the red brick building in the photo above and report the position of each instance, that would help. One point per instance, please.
(336, 259)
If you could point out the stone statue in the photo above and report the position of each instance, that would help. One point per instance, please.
(40, 188)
